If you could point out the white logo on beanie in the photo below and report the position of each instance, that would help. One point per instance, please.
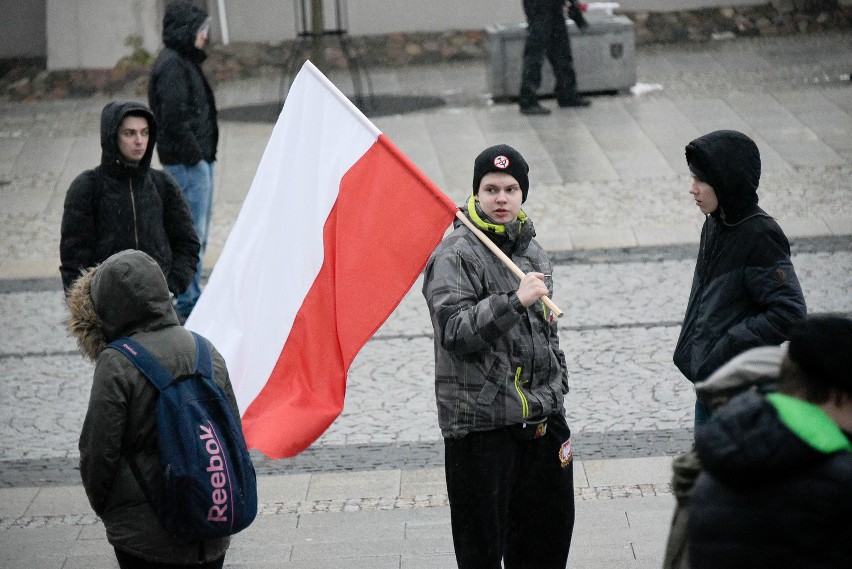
(501, 162)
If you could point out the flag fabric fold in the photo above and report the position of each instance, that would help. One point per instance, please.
(336, 227)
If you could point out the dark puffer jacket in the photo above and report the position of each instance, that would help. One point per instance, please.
(179, 94)
(496, 362)
(119, 206)
(745, 292)
(773, 493)
(127, 296)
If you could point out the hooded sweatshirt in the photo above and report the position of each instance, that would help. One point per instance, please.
(497, 363)
(127, 296)
(745, 292)
(118, 206)
(178, 92)
(776, 488)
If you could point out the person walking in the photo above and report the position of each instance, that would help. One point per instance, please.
(500, 381)
(776, 483)
(127, 295)
(745, 292)
(548, 35)
(183, 102)
(125, 204)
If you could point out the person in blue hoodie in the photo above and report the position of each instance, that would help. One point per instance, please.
(745, 292)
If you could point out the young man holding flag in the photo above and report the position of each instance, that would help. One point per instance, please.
(500, 381)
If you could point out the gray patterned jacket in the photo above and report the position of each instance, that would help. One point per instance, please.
(496, 363)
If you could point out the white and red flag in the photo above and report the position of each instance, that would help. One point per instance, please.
(336, 227)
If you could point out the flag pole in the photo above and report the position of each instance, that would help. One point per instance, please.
(503, 257)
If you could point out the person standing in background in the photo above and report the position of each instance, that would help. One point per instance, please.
(745, 292)
(548, 35)
(185, 108)
(126, 204)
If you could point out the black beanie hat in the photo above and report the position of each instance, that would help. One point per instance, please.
(502, 158)
(822, 347)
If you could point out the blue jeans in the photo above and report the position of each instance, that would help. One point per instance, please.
(196, 183)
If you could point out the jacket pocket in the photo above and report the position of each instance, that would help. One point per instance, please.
(491, 386)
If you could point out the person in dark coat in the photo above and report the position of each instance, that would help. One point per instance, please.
(183, 102)
(548, 35)
(776, 485)
(757, 370)
(745, 292)
(127, 295)
(126, 204)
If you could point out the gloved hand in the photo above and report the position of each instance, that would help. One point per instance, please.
(576, 14)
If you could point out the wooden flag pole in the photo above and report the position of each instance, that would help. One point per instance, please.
(503, 257)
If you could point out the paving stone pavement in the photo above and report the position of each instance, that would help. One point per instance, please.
(609, 201)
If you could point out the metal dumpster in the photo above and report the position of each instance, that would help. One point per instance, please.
(604, 57)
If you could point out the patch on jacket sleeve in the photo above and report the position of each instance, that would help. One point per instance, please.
(780, 275)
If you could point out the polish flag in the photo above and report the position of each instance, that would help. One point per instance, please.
(336, 227)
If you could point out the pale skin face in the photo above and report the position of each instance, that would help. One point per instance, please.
(500, 198)
(201, 36)
(133, 138)
(839, 408)
(705, 196)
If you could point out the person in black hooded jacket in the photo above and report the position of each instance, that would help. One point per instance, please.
(126, 204)
(183, 102)
(776, 485)
(745, 292)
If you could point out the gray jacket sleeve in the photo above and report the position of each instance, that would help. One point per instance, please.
(468, 318)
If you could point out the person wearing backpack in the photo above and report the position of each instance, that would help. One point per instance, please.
(127, 295)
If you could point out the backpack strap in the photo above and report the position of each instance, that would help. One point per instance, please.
(203, 357)
(159, 377)
(144, 361)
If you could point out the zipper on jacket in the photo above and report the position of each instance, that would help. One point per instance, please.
(133, 204)
(525, 406)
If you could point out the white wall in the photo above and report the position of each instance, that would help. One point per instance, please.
(91, 33)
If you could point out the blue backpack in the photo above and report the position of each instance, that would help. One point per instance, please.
(209, 488)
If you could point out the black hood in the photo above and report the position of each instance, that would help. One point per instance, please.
(730, 162)
(746, 443)
(111, 117)
(181, 23)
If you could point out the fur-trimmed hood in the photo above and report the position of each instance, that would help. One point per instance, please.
(125, 294)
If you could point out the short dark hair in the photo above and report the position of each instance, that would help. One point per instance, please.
(137, 113)
(819, 358)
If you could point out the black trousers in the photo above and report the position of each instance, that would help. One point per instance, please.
(510, 499)
(127, 561)
(546, 35)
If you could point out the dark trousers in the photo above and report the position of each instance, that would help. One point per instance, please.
(127, 561)
(546, 35)
(510, 499)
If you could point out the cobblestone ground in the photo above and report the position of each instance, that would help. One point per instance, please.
(622, 308)
(620, 325)
(689, 74)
